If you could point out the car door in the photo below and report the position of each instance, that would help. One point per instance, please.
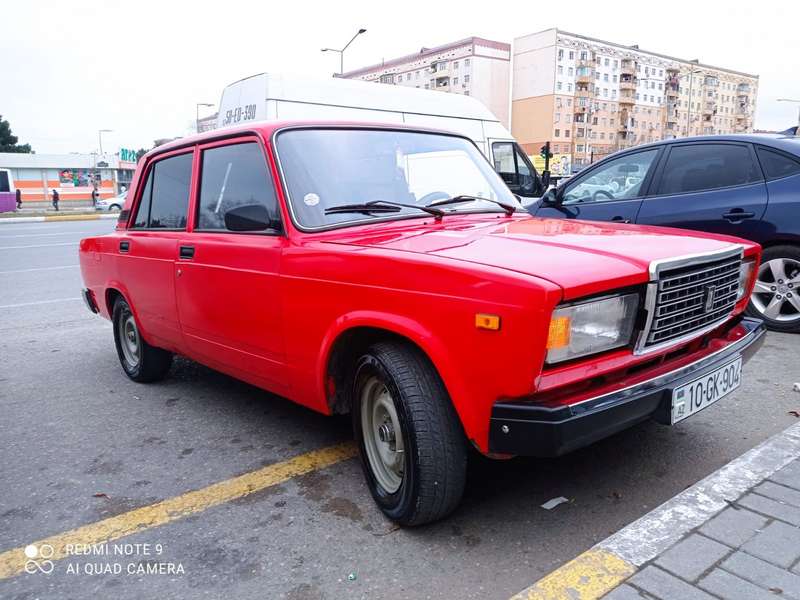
(227, 281)
(515, 168)
(611, 190)
(708, 186)
(148, 247)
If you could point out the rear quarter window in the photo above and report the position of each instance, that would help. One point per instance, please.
(776, 164)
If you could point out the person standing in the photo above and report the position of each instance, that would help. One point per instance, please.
(55, 199)
(94, 197)
(19, 198)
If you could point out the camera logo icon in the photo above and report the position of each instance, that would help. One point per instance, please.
(39, 559)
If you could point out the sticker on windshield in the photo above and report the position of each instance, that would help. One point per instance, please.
(311, 199)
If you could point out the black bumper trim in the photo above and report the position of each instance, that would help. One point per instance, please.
(533, 430)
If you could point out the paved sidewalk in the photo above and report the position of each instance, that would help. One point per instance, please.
(749, 551)
(734, 535)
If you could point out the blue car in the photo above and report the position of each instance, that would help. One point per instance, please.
(743, 185)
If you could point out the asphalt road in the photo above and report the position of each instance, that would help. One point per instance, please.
(73, 426)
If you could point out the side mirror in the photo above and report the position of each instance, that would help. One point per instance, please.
(551, 197)
(249, 217)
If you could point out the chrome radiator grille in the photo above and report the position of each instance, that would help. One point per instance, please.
(687, 299)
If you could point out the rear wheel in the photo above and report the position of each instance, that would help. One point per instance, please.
(140, 361)
(776, 296)
(413, 450)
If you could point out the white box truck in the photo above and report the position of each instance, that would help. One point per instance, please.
(269, 96)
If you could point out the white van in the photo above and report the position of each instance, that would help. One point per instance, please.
(269, 96)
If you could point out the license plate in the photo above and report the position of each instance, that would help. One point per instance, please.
(694, 396)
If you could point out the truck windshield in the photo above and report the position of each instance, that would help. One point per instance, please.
(325, 168)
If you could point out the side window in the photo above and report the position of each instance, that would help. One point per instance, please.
(513, 168)
(617, 179)
(143, 211)
(697, 167)
(233, 176)
(170, 195)
(775, 164)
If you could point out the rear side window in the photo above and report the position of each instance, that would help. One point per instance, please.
(775, 164)
(165, 198)
(233, 176)
(697, 167)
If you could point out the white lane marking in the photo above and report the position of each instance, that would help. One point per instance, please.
(649, 536)
(38, 246)
(27, 235)
(39, 302)
(39, 269)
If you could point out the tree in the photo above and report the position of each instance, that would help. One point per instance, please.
(8, 141)
(140, 153)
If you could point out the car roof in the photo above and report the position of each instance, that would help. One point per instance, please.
(267, 128)
(788, 143)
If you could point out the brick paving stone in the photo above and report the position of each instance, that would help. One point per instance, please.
(734, 527)
(663, 585)
(779, 544)
(763, 574)
(779, 492)
(693, 555)
(788, 475)
(623, 592)
(772, 508)
(731, 587)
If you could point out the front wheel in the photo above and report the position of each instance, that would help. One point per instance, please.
(413, 450)
(776, 295)
(140, 361)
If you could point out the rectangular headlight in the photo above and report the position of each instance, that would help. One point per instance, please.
(746, 271)
(591, 327)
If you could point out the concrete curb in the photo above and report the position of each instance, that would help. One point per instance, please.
(610, 562)
(58, 218)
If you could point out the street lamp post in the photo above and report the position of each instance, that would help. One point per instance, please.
(100, 133)
(798, 109)
(691, 75)
(197, 115)
(341, 52)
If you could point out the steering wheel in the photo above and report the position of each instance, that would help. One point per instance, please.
(606, 193)
(430, 197)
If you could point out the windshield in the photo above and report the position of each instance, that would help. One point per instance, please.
(325, 168)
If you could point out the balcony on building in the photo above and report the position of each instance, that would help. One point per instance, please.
(709, 108)
(442, 84)
(710, 81)
(584, 75)
(627, 66)
(583, 91)
(743, 88)
(627, 97)
(673, 70)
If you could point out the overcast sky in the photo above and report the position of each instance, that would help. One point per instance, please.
(70, 68)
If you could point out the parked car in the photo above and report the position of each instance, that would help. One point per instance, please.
(387, 272)
(743, 185)
(111, 204)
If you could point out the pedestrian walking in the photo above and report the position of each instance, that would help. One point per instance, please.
(55, 199)
(94, 197)
(19, 198)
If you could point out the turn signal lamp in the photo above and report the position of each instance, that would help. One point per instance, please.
(558, 335)
(484, 321)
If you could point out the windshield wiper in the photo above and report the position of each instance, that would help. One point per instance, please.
(381, 206)
(509, 208)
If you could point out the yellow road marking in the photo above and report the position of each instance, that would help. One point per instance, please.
(586, 577)
(71, 217)
(12, 562)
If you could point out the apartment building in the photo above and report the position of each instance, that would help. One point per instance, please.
(474, 67)
(590, 97)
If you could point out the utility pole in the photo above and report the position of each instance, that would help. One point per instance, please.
(100, 133)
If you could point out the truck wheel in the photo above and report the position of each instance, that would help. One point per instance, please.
(776, 296)
(140, 361)
(413, 449)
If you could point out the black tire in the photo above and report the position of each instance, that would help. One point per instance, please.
(434, 446)
(152, 363)
(788, 290)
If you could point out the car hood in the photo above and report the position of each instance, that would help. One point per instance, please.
(581, 257)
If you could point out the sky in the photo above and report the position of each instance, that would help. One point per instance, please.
(68, 69)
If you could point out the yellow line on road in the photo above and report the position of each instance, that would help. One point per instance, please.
(71, 217)
(12, 562)
(589, 576)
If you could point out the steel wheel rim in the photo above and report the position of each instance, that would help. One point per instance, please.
(129, 339)
(775, 294)
(383, 436)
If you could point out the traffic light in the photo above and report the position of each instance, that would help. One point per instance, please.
(544, 152)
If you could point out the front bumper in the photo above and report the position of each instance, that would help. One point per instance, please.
(535, 430)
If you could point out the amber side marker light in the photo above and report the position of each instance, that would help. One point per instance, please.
(558, 334)
(484, 321)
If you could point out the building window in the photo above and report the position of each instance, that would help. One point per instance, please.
(455, 80)
(557, 133)
(571, 54)
(583, 54)
(560, 54)
(387, 78)
(570, 71)
(466, 78)
(566, 133)
(466, 62)
(614, 79)
(558, 117)
(569, 87)
(606, 62)
(605, 76)
(558, 86)
(408, 76)
(455, 64)
(560, 70)
(616, 63)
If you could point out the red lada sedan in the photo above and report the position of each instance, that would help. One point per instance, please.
(387, 272)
